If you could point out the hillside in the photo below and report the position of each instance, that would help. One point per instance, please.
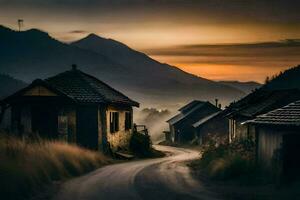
(285, 82)
(34, 54)
(9, 85)
(246, 87)
(289, 79)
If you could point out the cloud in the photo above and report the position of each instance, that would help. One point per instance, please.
(78, 32)
(289, 47)
(240, 11)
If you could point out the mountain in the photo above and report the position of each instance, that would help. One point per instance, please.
(9, 85)
(246, 87)
(34, 54)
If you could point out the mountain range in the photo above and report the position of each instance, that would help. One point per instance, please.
(32, 54)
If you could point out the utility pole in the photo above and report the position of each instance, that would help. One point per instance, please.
(20, 24)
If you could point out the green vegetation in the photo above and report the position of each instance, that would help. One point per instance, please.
(141, 146)
(234, 161)
(27, 166)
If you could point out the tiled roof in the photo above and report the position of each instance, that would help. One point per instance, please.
(261, 102)
(84, 88)
(287, 115)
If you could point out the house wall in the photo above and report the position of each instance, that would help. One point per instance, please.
(268, 140)
(238, 131)
(215, 129)
(172, 132)
(39, 91)
(26, 119)
(121, 138)
(241, 130)
(184, 130)
(87, 126)
(71, 115)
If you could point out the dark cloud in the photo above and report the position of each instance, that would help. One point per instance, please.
(266, 54)
(78, 32)
(289, 47)
(236, 11)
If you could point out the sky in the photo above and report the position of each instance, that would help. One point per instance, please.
(216, 39)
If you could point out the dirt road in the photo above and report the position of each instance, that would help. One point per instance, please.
(153, 179)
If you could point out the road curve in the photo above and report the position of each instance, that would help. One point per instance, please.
(165, 178)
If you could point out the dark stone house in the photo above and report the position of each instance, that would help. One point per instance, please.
(256, 103)
(75, 107)
(181, 125)
(278, 138)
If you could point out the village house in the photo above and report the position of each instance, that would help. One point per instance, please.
(181, 125)
(75, 107)
(278, 138)
(256, 103)
(213, 128)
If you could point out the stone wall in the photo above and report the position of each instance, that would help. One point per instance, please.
(121, 138)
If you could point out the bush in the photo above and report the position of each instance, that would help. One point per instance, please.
(26, 166)
(230, 161)
(140, 144)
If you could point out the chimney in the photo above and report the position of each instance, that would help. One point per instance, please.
(74, 67)
(216, 102)
(220, 106)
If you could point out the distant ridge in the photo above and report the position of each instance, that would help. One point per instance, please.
(32, 54)
(9, 85)
(246, 87)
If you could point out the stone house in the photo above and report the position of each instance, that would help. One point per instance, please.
(181, 125)
(75, 107)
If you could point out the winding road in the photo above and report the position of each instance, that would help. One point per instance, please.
(165, 178)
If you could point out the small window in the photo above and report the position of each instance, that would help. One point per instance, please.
(128, 122)
(114, 122)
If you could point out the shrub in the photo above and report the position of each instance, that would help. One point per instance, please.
(26, 166)
(140, 144)
(230, 161)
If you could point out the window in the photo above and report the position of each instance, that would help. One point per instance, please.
(62, 125)
(128, 123)
(114, 122)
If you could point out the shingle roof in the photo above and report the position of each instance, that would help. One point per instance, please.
(85, 88)
(191, 105)
(181, 115)
(205, 119)
(261, 102)
(288, 115)
(199, 107)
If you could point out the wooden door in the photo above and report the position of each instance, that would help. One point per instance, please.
(87, 126)
(44, 121)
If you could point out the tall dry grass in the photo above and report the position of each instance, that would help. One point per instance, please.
(26, 166)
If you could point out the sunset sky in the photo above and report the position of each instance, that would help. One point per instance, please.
(216, 39)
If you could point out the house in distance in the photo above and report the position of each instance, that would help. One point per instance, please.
(278, 138)
(75, 107)
(256, 103)
(181, 125)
